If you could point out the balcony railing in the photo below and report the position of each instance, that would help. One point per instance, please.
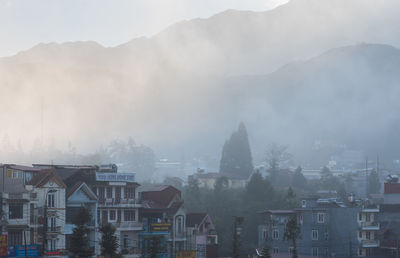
(128, 224)
(368, 225)
(369, 242)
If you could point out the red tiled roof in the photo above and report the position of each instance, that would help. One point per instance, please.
(161, 196)
(175, 207)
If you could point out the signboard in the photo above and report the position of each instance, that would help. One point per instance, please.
(31, 250)
(53, 253)
(160, 227)
(116, 177)
(186, 254)
(3, 245)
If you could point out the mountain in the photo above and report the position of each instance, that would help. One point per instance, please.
(184, 89)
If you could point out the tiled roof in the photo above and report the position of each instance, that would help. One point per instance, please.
(44, 176)
(193, 219)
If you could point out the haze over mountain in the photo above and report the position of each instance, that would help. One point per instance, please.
(186, 88)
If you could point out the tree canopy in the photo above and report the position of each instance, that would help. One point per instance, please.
(236, 154)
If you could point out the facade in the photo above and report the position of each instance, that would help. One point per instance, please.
(81, 196)
(164, 217)
(119, 204)
(201, 235)
(329, 228)
(208, 180)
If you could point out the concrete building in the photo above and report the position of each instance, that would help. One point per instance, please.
(163, 214)
(329, 228)
(81, 196)
(208, 180)
(118, 204)
(201, 235)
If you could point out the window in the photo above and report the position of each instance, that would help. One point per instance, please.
(126, 241)
(326, 235)
(368, 235)
(17, 174)
(326, 252)
(321, 217)
(52, 244)
(314, 251)
(118, 192)
(119, 215)
(112, 215)
(301, 219)
(275, 250)
(32, 213)
(101, 192)
(360, 216)
(129, 193)
(359, 234)
(303, 203)
(129, 215)
(314, 234)
(290, 249)
(104, 216)
(368, 217)
(15, 210)
(265, 234)
(360, 251)
(14, 237)
(52, 224)
(51, 200)
(275, 234)
(109, 191)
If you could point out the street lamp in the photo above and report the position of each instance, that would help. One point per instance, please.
(45, 220)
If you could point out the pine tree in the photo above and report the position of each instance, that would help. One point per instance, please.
(374, 185)
(109, 242)
(80, 246)
(299, 181)
(236, 154)
(292, 233)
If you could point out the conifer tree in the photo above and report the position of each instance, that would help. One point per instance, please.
(236, 154)
(80, 246)
(109, 242)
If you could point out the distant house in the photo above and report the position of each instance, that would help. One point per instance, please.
(208, 180)
(201, 235)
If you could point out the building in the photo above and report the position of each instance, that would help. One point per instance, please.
(208, 180)
(81, 196)
(164, 218)
(329, 228)
(201, 235)
(119, 204)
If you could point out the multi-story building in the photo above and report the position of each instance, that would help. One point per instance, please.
(81, 196)
(118, 204)
(201, 235)
(329, 228)
(164, 215)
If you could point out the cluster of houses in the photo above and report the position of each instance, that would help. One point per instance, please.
(332, 228)
(40, 203)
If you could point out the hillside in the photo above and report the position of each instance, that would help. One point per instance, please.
(185, 88)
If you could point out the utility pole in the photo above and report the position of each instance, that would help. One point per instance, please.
(236, 235)
(366, 176)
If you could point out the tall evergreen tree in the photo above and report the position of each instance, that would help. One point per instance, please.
(292, 233)
(80, 246)
(299, 181)
(374, 185)
(109, 241)
(236, 154)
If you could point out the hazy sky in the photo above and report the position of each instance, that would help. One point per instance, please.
(25, 23)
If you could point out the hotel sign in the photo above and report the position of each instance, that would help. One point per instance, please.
(116, 177)
(157, 227)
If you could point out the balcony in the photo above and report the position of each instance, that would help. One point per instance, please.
(368, 225)
(128, 225)
(370, 209)
(119, 202)
(17, 197)
(369, 243)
